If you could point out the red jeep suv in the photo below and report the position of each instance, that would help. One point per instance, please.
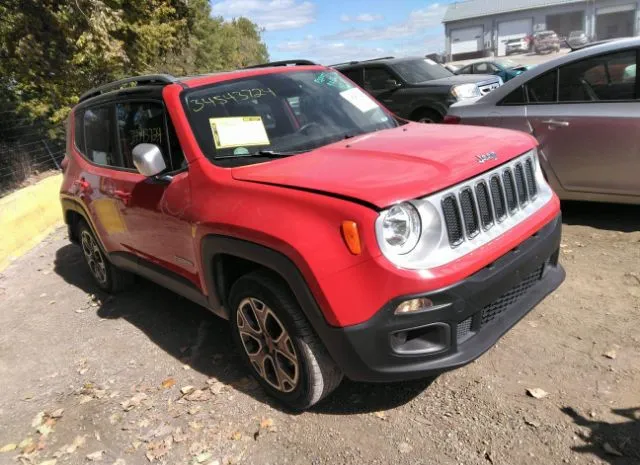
(337, 239)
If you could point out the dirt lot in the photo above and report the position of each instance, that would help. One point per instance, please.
(116, 366)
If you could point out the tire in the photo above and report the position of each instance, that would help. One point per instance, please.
(426, 116)
(278, 344)
(107, 276)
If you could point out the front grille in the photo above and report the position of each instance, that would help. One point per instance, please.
(474, 210)
(491, 311)
(452, 220)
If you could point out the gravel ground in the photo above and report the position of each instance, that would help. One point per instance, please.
(147, 376)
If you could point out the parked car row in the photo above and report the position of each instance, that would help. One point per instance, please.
(584, 110)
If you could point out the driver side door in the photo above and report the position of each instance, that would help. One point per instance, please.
(375, 82)
(586, 117)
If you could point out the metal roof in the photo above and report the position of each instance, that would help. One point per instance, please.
(477, 8)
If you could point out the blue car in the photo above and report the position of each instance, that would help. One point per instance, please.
(505, 68)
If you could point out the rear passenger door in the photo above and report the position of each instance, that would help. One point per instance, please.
(586, 115)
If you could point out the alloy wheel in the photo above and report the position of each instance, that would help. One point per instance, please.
(94, 258)
(268, 345)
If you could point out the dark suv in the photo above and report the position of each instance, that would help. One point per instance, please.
(418, 89)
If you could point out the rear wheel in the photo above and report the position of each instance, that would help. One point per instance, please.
(277, 343)
(427, 116)
(108, 277)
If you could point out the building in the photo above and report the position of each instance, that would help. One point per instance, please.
(476, 28)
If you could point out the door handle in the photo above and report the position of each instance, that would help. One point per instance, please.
(558, 124)
(122, 195)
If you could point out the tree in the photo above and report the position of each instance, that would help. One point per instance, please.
(53, 50)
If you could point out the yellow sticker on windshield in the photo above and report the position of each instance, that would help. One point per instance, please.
(238, 131)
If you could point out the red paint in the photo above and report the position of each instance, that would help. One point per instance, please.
(282, 204)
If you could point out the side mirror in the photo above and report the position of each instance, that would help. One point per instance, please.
(148, 159)
(392, 84)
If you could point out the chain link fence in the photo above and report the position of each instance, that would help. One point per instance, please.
(26, 150)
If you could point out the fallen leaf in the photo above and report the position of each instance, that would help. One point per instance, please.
(179, 435)
(186, 389)
(532, 423)
(136, 444)
(77, 443)
(404, 448)
(537, 393)
(611, 354)
(266, 423)
(38, 420)
(216, 387)
(25, 442)
(380, 415)
(236, 436)
(57, 413)
(95, 456)
(203, 457)
(49, 462)
(168, 383)
(29, 449)
(9, 447)
(609, 449)
(44, 430)
(132, 403)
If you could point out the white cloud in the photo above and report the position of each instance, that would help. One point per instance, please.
(368, 17)
(272, 15)
(345, 18)
(322, 51)
(417, 23)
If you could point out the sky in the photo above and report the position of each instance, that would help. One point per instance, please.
(334, 31)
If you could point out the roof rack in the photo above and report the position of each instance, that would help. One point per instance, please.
(283, 63)
(150, 79)
(362, 61)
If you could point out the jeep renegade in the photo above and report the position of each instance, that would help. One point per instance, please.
(336, 238)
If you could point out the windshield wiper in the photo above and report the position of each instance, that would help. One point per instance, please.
(275, 154)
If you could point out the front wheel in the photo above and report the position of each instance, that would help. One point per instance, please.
(427, 116)
(277, 343)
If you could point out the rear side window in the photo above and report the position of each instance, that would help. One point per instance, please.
(78, 130)
(376, 78)
(517, 97)
(608, 77)
(99, 137)
(543, 89)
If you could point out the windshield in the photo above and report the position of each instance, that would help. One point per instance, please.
(420, 70)
(507, 63)
(285, 112)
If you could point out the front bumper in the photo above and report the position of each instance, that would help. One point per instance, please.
(466, 320)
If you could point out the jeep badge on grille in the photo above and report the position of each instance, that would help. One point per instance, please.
(486, 157)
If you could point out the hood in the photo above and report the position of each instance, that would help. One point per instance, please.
(389, 166)
(460, 79)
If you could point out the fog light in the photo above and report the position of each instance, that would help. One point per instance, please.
(413, 305)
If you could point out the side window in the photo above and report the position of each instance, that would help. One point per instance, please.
(354, 74)
(78, 130)
(517, 97)
(466, 70)
(99, 137)
(376, 78)
(607, 77)
(138, 123)
(481, 68)
(543, 89)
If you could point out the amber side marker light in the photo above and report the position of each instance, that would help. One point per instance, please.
(351, 237)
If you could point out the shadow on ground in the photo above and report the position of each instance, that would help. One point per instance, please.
(614, 443)
(611, 217)
(196, 337)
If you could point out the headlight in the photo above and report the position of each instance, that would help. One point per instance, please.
(464, 91)
(400, 228)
